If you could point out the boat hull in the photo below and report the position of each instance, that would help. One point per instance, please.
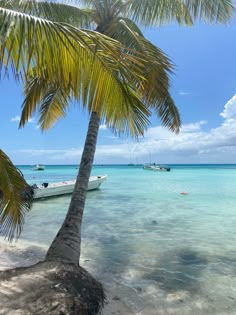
(158, 168)
(47, 190)
(38, 167)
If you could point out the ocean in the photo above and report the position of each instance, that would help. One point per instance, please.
(162, 251)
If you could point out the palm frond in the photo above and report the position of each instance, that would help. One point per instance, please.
(88, 65)
(53, 11)
(15, 198)
(50, 100)
(125, 101)
(27, 41)
(220, 11)
(125, 113)
(128, 112)
(124, 30)
(168, 113)
(32, 45)
(53, 107)
(158, 67)
(157, 12)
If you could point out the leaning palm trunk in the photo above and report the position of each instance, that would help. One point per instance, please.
(66, 245)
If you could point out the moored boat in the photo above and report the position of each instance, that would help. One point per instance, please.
(156, 167)
(46, 190)
(38, 167)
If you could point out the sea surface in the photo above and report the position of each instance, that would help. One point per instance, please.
(162, 251)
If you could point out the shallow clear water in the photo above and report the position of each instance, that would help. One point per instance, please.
(163, 252)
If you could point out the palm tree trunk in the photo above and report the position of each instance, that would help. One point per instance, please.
(66, 245)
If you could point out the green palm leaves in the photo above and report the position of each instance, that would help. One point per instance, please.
(157, 12)
(106, 76)
(15, 198)
(87, 66)
(51, 50)
(57, 12)
(157, 69)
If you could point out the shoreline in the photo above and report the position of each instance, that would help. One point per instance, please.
(13, 256)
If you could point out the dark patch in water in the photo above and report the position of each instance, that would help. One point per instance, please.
(154, 222)
(191, 258)
(179, 271)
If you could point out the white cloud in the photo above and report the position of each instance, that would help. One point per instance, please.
(192, 145)
(103, 127)
(230, 109)
(17, 119)
(192, 127)
(183, 93)
(31, 120)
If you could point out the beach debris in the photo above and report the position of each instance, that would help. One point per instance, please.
(139, 289)
(116, 298)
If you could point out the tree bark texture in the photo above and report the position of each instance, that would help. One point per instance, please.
(67, 243)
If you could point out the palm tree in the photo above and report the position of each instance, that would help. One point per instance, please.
(142, 84)
(13, 204)
(34, 47)
(15, 197)
(101, 72)
(128, 72)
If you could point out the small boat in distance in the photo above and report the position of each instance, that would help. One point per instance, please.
(46, 190)
(156, 167)
(38, 167)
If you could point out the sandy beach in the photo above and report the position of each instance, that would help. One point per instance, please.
(13, 256)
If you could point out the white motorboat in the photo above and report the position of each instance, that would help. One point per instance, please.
(46, 190)
(38, 167)
(156, 167)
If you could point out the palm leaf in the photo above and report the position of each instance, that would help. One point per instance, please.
(157, 12)
(33, 45)
(14, 203)
(169, 114)
(57, 12)
(211, 10)
(158, 67)
(27, 41)
(125, 113)
(50, 101)
(89, 59)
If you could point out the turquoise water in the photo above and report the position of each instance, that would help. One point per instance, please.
(163, 252)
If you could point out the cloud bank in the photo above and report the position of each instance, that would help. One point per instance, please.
(192, 145)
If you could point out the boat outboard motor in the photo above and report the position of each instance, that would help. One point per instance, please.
(34, 186)
(28, 193)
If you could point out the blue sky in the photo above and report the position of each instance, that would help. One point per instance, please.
(203, 87)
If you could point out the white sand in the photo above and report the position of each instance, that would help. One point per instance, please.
(14, 256)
